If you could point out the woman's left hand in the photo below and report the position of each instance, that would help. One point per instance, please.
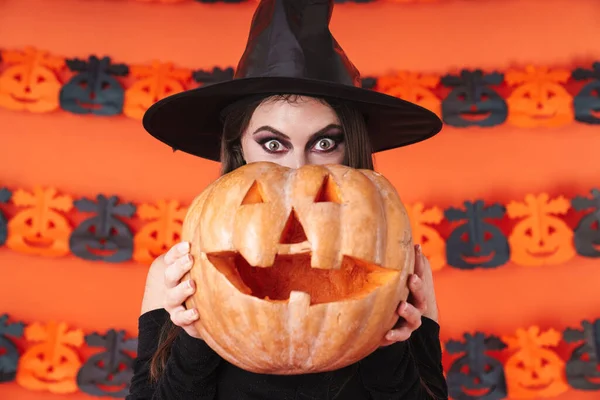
(421, 302)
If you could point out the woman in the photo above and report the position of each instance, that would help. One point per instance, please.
(320, 116)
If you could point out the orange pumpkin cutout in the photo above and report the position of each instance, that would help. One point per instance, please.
(540, 99)
(434, 246)
(164, 230)
(52, 363)
(40, 229)
(30, 82)
(152, 84)
(541, 237)
(534, 371)
(413, 87)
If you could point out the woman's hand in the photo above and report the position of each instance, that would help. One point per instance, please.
(421, 302)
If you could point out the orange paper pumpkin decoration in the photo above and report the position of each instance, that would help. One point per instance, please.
(541, 237)
(298, 270)
(152, 84)
(51, 364)
(434, 246)
(413, 87)
(30, 82)
(164, 230)
(534, 371)
(540, 99)
(40, 228)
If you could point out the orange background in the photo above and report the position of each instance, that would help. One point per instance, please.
(86, 155)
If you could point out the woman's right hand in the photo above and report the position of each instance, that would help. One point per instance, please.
(178, 261)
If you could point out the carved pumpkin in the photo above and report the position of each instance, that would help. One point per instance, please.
(30, 82)
(476, 243)
(40, 228)
(540, 237)
(434, 246)
(534, 371)
(587, 233)
(52, 363)
(475, 374)
(539, 99)
(583, 366)
(94, 89)
(587, 101)
(412, 87)
(108, 373)
(159, 235)
(472, 101)
(290, 265)
(152, 84)
(9, 354)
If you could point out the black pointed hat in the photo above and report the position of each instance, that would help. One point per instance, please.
(290, 50)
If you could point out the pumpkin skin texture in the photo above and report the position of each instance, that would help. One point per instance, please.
(298, 270)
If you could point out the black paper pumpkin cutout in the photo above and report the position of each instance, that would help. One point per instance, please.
(9, 354)
(5, 196)
(476, 375)
(476, 242)
(472, 102)
(104, 236)
(587, 102)
(94, 89)
(216, 75)
(587, 233)
(583, 366)
(108, 373)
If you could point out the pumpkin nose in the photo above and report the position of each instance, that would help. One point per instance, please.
(473, 108)
(541, 243)
(540, 106)
(50, 369)
(477, 248)
(27, 89)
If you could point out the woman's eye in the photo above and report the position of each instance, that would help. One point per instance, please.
(273, 146)
(325, 144)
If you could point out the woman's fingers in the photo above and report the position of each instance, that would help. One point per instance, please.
(410, 320)
(418, 295)
(177, 251)
(175, 271)
(182, 317)
(179, 294)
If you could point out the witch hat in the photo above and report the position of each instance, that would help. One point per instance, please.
(290, 50)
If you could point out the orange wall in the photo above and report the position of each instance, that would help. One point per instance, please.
(72, 152)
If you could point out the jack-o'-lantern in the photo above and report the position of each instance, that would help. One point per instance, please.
(475, 374)
(534, 371)
(298, 270)
(52, 363)
(108, 373)
(30, 82)
(9, 354)
(539, 99)
(161, 233)
(103, 237)
(587, 232)
(583, 366)
(472, 101)
(40, 228)
(412, 87)
(152, 84)
(587, 102)
(540, 237)
(434, 246)
(476, 243)
(94, 89)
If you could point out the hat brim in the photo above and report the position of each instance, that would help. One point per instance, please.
(190, 121)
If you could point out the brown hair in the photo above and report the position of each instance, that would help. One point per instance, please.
(358, 155)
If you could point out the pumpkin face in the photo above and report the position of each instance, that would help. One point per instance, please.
(152, 84)
(40, 228)
(30, 82)
(290, 264)
(52, 363)
(587, 232)
(587, 102)
(94, 88)
(583, 366)
(541, 237)
(473, 102)
(412, 87)
(432, 243)
(476, 243)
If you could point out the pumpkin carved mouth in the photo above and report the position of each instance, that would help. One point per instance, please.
(542, 253)
(479, 259)
(38, 241)
(475, 115)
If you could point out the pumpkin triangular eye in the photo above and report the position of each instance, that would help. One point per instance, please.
(254, 195)
(329, 192)
(293, 231)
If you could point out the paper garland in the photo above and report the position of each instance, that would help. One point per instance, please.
(36, 81)
(524, 365)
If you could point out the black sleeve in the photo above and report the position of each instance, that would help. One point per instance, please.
(190, 372)
(149, 327)
(407, 370)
